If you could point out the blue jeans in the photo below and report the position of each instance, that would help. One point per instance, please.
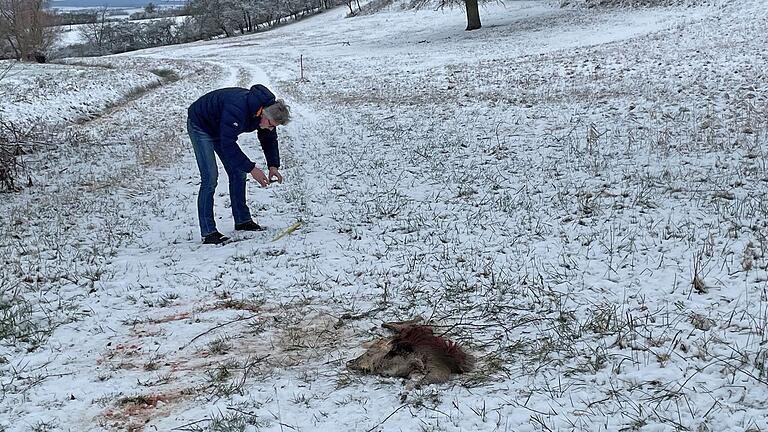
(205, 146)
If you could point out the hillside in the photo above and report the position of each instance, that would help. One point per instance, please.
(576, 195)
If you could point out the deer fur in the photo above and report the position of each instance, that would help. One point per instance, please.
(413, 349)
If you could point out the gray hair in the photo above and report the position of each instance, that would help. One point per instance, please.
(278, 112)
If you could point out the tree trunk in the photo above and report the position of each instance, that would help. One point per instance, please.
(16, 51)
(473, 15)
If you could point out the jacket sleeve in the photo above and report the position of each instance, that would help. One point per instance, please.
(232, 121)
(268, 139)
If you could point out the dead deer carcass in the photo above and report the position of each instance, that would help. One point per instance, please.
(414, 349)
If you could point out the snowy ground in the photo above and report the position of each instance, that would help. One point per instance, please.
(577, 196)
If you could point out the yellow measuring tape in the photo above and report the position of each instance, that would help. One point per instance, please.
(288, 230)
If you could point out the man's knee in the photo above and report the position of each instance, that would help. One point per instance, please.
(234, 174)
(209, 182)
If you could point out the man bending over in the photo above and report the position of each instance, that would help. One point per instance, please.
(214, 123)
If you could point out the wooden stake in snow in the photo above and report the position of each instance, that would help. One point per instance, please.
(301, 66)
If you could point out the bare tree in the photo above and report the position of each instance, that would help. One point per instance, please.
(211, 17)
(11, 139)
(350, 3)
(150, 8)
(473, 15)
(26, 29)
(230, 17)
(96, 33)
(471, 6)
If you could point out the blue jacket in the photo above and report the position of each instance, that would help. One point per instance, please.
(228, 112)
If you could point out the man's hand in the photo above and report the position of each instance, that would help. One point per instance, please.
(259, 176)
(274, 173)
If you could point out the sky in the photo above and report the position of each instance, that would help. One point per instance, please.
(577, 196)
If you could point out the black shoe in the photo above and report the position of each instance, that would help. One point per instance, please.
(215, 238)
(249, 226)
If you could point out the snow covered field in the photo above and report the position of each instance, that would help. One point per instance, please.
(578, 196)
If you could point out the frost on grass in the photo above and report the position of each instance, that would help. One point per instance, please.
(585, 213)
(77, 208)
(592, 228)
